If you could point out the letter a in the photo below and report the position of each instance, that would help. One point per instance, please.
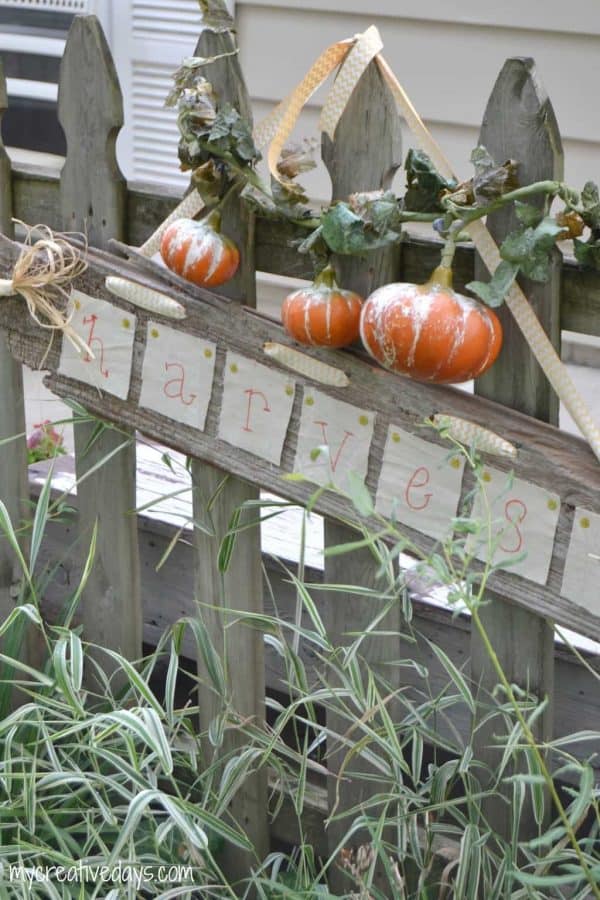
(176, 392)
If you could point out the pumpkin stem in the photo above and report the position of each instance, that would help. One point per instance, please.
(326, 278)
(441, 276)
(213, 220)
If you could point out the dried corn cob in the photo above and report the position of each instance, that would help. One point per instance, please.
(145, 298)
(306, 365)
(470, 434)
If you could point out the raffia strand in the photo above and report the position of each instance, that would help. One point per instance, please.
(43, 275)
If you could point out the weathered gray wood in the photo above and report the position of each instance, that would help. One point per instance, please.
(546, 456)
(92, 199)
(519, 123)
(14, 489)
(240, 588)
(365, 153)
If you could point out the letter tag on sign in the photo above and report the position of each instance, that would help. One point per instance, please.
(334, 439)
(524, 519)
(420, 483)
(256, 407)
(109, 332)
(177, 376)
(581, 579)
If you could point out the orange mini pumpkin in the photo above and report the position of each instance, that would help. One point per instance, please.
(198, 252)
(322, 314)
(429, 331)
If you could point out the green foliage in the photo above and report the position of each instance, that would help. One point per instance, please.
(527, 250)
(424, 184)
(494, 291)
(530, 247)
(106, 765)
(346, 232)
(588, 253)
(590, 205)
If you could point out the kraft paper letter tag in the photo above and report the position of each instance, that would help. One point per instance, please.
(177, 375)
(419, 484)
(256, 407)
(523, 522)
(109, 332)
(334, 439)
(581, 578)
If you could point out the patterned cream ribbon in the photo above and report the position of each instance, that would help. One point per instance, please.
(274, 130)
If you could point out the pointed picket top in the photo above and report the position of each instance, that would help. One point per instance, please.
(90, 110)
(519, 123)
(364, 156)
(519, 99)
(215, 15)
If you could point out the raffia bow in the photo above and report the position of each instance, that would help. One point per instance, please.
(42, 275)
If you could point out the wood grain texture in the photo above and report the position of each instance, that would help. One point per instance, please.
(92, 199)
(519, 123)
(364, 155)
(240, 587)
(548, 457)
(14, 489)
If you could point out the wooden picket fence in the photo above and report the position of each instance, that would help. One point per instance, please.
(127, 597)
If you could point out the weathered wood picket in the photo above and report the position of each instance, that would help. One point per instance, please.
(122, 604)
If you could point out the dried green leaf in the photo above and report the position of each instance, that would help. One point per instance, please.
(287, 195)
(297, 159)
(587, 253)
(491, 180)
(425, 185)
(209, 182)
(528, 215)
(590, 201)
(493, 292)
(347, 233)
(530, 248)
(379, 209)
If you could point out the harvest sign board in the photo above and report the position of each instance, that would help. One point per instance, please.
(205, 386)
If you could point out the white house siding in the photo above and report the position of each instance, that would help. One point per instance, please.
(446, 54)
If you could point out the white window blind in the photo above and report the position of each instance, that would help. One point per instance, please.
(150, 39)
(65, 6)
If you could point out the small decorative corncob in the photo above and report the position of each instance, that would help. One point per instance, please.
(145, 298)
(6, 287)
(470, 434)
(306, 365)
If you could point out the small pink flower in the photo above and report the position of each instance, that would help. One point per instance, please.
(44, 442)
(35, 438)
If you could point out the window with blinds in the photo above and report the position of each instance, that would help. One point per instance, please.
(151, 38)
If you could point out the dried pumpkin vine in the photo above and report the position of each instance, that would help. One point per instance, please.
(217, 147)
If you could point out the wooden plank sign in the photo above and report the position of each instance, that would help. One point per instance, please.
(205, 386)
